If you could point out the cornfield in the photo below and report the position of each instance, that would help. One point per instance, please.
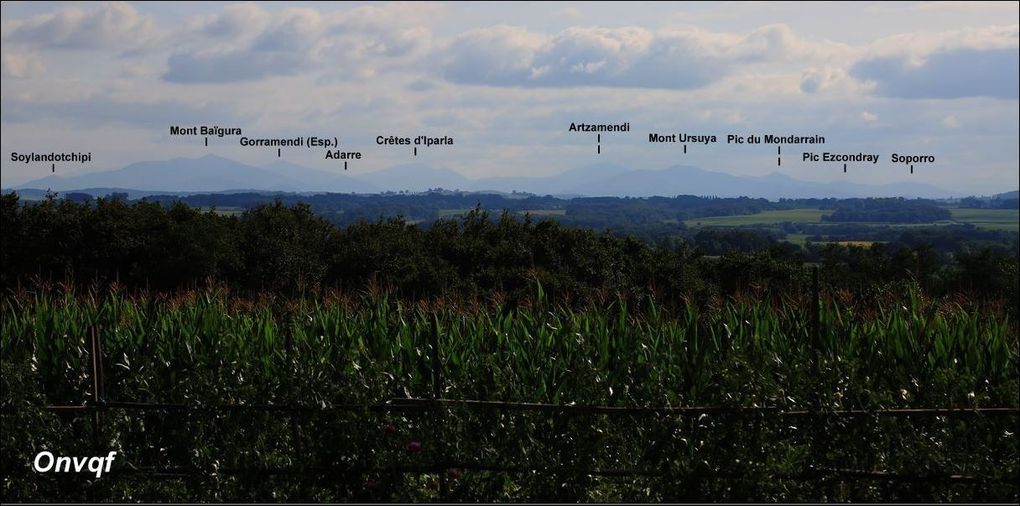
(342, 371)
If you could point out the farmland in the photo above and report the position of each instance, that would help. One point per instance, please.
(539, 213)
(272, 356)
(224, 211)
(320, 354)
(801, 225)
(543, 212)
(800, 222)
(762, 218)
(445, 213)
(994, 219)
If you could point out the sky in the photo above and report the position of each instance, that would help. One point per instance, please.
(505, 80)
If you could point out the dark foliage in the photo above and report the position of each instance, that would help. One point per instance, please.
(892, 210)
(290, 250)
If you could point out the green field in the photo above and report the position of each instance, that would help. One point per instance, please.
(993, 219)
(224, 211)
(798, 239)
(764, 218)
(802, 239)
(544, 212)
(445, 213)
(336, 373)
(859, 244)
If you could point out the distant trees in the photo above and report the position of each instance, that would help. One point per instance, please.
(720, 241)
(283, 248)
(142, 244)
(971, 203)
(892, 210)
(1002, 201)
(290, 249)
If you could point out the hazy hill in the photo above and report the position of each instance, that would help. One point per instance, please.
(415, 177)
(217, 174)
(320, 180)
(685, 180)
(556, 184)
(208, 173)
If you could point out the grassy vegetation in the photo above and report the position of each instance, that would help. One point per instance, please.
(992, 219)
(802, 239)
(538, 213)
(347, 324)
(859, 244)
(544, 212)
(762, 218)
(446, 213)
(224, 211)
(798, 239)
(894, 350)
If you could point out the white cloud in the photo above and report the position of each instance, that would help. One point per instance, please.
(357, 71)
(969, 62)
(113, 25)
(948, 74)
(922, 43)
(617, 57)
(951, 7)
(500, 54)
(21, 66)
(248, 43)
(569, 13)
(831, 80)
(236, 21)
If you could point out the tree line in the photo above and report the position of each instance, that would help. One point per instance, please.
(289, 249)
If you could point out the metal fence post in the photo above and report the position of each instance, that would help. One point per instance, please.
(98, 396)
(815, 311)
(295, 432)
(437, 393)
(819, 440)
(98, 386)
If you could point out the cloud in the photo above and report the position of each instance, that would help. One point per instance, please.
(956, 73)
(830, 80)
(613, 57)
(419, 85)
(21, 66)
(236, 20)
(246, 43)
(101, 110)
(965, 6)
(285, 46)
(569, 13)
(108, 26)
(298, 30)
(922, 65)
(393, 30)
(501, 54)
(233, 66)
(919, 44)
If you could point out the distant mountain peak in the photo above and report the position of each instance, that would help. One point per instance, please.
(213, 173)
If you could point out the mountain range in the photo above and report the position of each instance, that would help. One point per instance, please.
(217, 174)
